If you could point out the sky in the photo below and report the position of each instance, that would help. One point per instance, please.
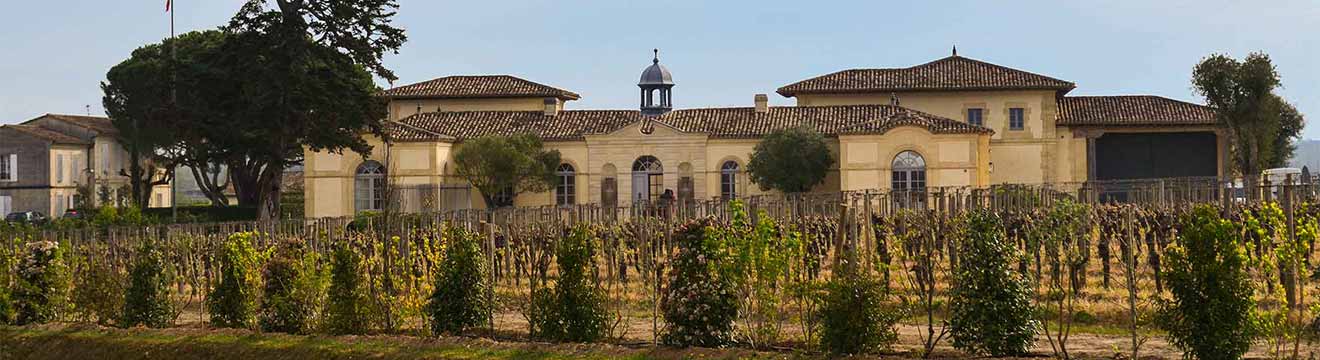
(721, 53)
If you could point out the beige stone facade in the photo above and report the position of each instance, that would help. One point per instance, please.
(869, 118)
(48, 158)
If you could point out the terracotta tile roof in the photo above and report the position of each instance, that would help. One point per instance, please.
(478, 86)
(1132, 110)
(46, 134)
(950, 73)
(745, 122)
(734, 122)
(568, 125)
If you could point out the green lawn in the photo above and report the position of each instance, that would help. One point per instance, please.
(89, 342)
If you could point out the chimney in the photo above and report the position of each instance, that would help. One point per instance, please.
(762, 103)
(551, 107)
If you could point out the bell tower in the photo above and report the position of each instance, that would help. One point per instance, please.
(656, 86)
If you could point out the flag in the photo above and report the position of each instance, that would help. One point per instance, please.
(167, 5)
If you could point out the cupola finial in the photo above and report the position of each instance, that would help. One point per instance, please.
(656, 59)
(955, 50)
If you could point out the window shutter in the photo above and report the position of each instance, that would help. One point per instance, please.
(13, 167)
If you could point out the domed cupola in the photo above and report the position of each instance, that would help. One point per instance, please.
(656, 85)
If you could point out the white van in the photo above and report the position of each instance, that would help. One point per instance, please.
(1280, 175)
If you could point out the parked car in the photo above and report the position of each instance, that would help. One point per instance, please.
(72, 214)
(26, 217)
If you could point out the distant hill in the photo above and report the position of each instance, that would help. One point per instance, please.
(1307, 154)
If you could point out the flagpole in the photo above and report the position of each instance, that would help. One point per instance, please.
(174, 98)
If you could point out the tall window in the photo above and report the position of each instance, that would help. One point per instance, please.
(59, 168)
(369, 186)
(729, 180)
(1015, 119)
(8, 167)
(103, 153)
(975, 116)
(648, 179)
(909, 170)
(566, 187)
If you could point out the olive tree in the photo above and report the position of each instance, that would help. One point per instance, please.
(507, 165)
(790, 160)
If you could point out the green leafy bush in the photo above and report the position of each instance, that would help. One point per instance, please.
(8, 260)
(346, 308)
(42, 288)
(459, 301)
(147, 300)
(575, 310)
(232, 301)
(855, 318)
(295, 287)
(98, 292)
(698, 304)
(990, 303)
(1209, 315)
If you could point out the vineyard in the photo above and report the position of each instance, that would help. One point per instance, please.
(991, 274)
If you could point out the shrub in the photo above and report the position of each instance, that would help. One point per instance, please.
(459, 301)
(294, 290)
(98, 292)
(42, 287)
(232, 302)
(575, 310)
(698, 304)
(8, 259)
(346, 308)
(854, 316)
(990, 303)
(147, 300)
(1209, 315)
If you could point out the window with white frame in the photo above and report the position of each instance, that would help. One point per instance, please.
(566, 185)
(729, 180)
(6, 204)
(909, 172)
(369, 186)
(8, 167)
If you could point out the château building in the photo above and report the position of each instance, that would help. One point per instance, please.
(951, 122)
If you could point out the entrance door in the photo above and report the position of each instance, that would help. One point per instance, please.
(641, 187)
(647, 179)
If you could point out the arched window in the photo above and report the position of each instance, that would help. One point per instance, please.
(566, 185)
(909, 170)
(647, 179)
(369, 186)
(729, 180)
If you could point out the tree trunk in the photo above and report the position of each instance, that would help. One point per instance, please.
(208, 182)
(268, 192)
(135, 178)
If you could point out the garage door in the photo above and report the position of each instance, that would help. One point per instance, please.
(1155, 155)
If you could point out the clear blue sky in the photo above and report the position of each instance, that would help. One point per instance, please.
(721, 52)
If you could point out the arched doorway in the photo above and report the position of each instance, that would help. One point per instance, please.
(565, 185)
(908, 179)
(647, 179)
(729, 180)
(909, 170)
(369, 186)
